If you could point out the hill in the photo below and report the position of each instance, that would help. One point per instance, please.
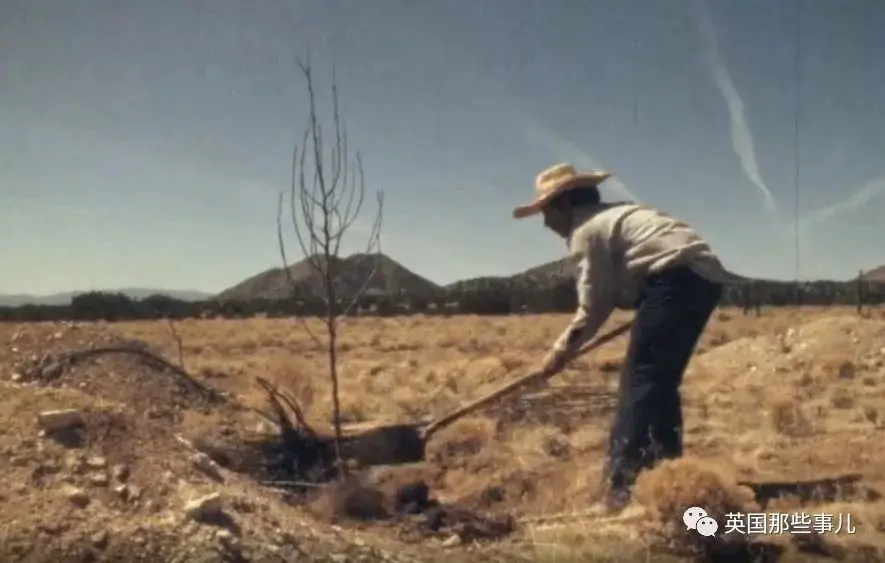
(390, 278)
(875, 275)
(16, 299)
(549, 274)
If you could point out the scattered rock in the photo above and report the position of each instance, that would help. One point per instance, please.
(263, 427)
(134, 492)
(59, 420)
(52, 527)
(77, 496)
(75, 462)
(99, 539)
(207, 466)
(205, 507)
(229, 540)
(120, 472)
(51, 371)
(99, 479)
(97, 462)
(452, 541)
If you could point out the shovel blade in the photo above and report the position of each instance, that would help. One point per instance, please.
(395, 444)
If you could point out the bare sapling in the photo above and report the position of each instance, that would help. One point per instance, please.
(325, 198)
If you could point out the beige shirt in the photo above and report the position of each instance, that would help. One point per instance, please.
(619, 245)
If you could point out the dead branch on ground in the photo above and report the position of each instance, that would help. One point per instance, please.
(277, 399)
(178, 342)
(305, 453)
(149, 357)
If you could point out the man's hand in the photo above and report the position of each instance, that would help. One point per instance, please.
(553, 363)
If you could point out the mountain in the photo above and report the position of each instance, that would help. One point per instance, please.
(16, 299)
(390, 278)
(875, 275)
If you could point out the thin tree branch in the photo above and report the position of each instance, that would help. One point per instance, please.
(293, 286)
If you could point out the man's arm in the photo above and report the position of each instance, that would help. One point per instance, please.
(595, 302)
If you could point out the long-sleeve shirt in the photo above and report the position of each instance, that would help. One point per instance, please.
(618, 245)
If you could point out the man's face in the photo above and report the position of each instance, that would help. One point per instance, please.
(557, 220)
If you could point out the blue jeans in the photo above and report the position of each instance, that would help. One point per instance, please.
(673, 310)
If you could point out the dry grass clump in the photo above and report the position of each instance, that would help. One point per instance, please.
(841, 398)
(816, 372)
(789, 418)
(350, 499)
(676, 485)
(464, 437)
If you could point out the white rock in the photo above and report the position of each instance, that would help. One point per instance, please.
(207, 465)
(97, 462)
(204, 507)
(265, 427)
(98, 478)
(76, 495)
(56, 420)
(123, 491)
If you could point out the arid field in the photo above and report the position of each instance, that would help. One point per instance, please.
(792, 395)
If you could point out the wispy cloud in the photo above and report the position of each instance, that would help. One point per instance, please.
(94, 216)
(565, 150)
(29, 203)
(741, 135)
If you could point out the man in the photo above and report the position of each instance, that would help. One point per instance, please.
(632, 256)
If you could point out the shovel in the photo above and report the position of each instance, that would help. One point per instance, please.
(397, 444)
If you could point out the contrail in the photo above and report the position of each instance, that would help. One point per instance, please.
(860, 196)
(741, 136)
(555, 144)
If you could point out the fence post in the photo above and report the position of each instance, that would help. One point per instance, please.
(859, 292)
(753, 298)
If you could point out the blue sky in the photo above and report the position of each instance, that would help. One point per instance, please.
(145, 143)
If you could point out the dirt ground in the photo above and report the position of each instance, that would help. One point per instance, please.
(790, 396)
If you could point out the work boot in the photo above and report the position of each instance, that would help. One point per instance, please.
(616, 500)
(611, 501)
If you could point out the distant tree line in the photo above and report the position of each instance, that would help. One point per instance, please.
(491, 299)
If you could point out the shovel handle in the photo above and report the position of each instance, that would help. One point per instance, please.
(464, 410)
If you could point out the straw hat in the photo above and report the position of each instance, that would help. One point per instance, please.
(554, 181)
